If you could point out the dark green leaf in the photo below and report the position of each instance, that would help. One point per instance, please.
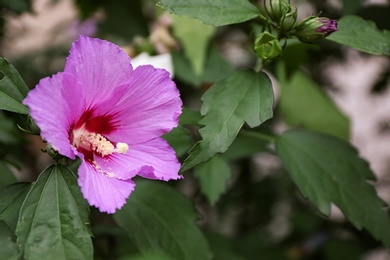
(6, 175)
(362, 35)
(159, 219)
(244, 146)
(8, 248)
(54, 218)
(8, 131)
(12, 89)
(180, 140)
(216, 12)
(213, 178)
(190, 117)
(11, 199)
(327, 169)
(303, 103)
(245, 96)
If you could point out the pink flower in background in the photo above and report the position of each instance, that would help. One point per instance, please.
(110, 116)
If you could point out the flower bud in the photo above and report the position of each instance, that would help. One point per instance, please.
(278, 8)
(315, 28)
(288, 20)
(267, 46)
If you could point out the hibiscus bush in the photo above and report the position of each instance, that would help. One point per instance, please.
(182, 129)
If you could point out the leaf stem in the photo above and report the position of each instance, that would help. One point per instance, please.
(258, 135)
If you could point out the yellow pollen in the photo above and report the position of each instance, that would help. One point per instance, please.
(97, 143)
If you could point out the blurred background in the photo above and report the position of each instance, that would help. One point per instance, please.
(261, 212)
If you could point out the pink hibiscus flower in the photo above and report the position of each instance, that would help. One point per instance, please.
(110, 116)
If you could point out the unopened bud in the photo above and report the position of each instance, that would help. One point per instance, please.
(288, 21)
(267, 46)
(315, 28)
(278, 8)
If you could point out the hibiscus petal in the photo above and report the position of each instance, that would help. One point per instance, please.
(53, 112)
(100, 66)
(118, 166)
(157, 157)
(107, 194)
(150, 107)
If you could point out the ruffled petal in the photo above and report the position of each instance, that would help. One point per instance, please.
(54, 105)
(117, 166)
(101, 68)
(158, 157)
(107, 194)
(149, 108)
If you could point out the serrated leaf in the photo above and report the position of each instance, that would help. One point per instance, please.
(362, 35)
(215, 12)
(327, 169)
(189, 117)
(54, 219)
(12, 89)
(303, 103)
(160, 219)
(11, 200)
(195, 37)
(213, 178)
(245, 96)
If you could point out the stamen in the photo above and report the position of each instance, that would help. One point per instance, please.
(97, 143)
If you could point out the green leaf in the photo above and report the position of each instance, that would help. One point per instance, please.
(190, 117)
(303, 103)
(11, 199)
(179, 139)
(6, 175)
(195, 37)
(8, 248)
(159, 219)
(216, 68)
(244, 146)
(12, 89)
(54, 218)
(362, 35)
(216, 12)
(245, 96)
(327, 169)
(9, 133)
(213, 178)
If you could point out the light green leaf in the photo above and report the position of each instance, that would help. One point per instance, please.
(213, 12)
(327, 169)
(362, 35)
(245, 96)
(11, 199)
(54, 218)
(195, 37)
(160, 219)
(303, 103)
(12, 89)
(213, 178)
(216, 68)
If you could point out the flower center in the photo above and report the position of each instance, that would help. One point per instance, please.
(87, 142)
